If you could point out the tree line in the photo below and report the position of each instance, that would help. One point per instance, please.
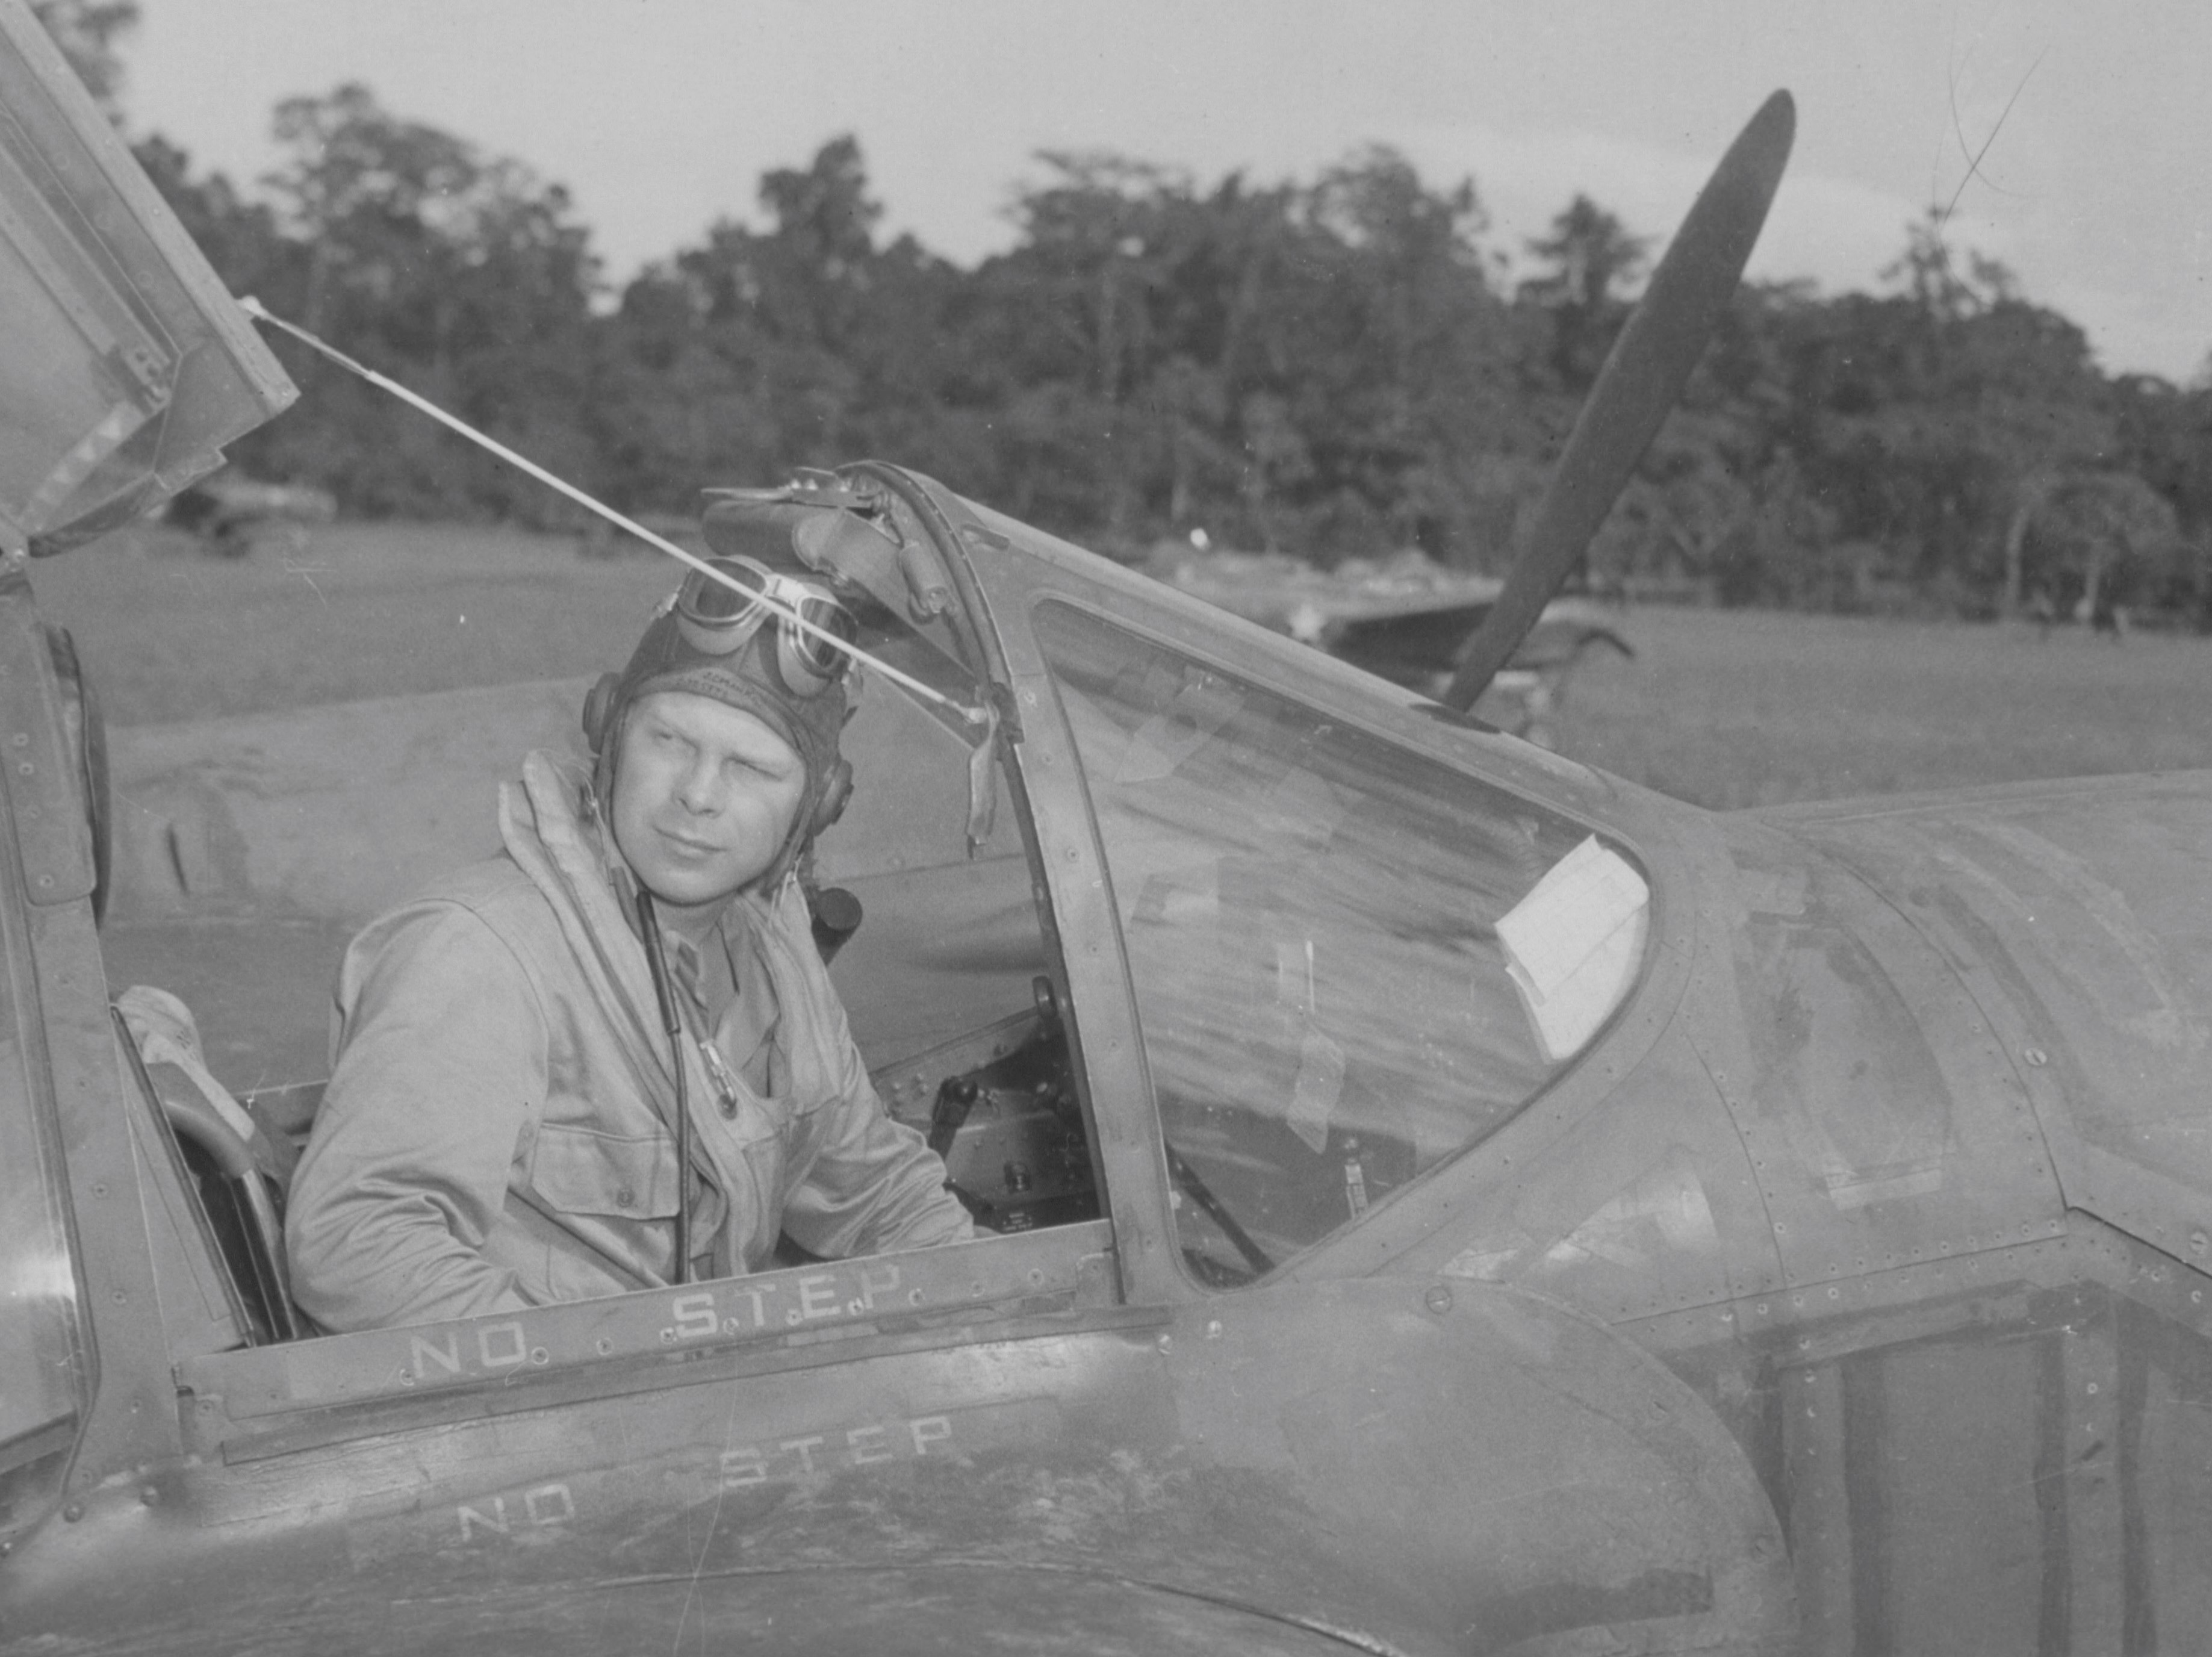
(1334, 368)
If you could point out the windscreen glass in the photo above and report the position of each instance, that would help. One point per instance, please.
(41, 1352)
(1350, 960)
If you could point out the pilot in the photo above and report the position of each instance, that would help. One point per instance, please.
(501, 1125)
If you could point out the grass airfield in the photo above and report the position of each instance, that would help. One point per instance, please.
(1723, 708)
(1730, 708)
(170, 632)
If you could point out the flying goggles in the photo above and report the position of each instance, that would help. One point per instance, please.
(725, 602)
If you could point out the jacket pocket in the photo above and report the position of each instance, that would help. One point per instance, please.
(578, 1171)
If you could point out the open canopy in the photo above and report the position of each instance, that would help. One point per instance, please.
(126, 366)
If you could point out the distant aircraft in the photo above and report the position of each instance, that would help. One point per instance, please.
(232, 512)
(1405, 619)
(1437, 1197)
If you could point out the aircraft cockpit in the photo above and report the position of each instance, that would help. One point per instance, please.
(1339, 959)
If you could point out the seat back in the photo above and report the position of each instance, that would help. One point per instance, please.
(239, 1170)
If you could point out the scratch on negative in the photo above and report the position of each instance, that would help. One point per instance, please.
(307, 573)
(1974, 160)
(714, 1523)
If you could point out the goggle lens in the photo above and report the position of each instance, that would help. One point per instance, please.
(717, 618)
(713, 604)
(814, 654)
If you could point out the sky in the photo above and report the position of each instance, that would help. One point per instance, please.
(2089, 117)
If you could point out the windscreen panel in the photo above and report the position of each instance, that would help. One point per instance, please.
(1350, 960)
(42, 1349)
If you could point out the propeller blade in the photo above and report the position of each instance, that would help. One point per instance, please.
(1639, 385)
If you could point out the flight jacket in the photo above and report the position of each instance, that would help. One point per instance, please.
(497, 1132)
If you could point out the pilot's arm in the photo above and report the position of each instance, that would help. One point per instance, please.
(440, 1073)
(860, 1182)
(868, 1185)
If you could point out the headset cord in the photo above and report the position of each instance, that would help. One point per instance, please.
(672, 1020)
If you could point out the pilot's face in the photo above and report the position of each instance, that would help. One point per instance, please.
(705, 796)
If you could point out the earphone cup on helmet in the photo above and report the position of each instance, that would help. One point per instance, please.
(834, 798)
(598, 709)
